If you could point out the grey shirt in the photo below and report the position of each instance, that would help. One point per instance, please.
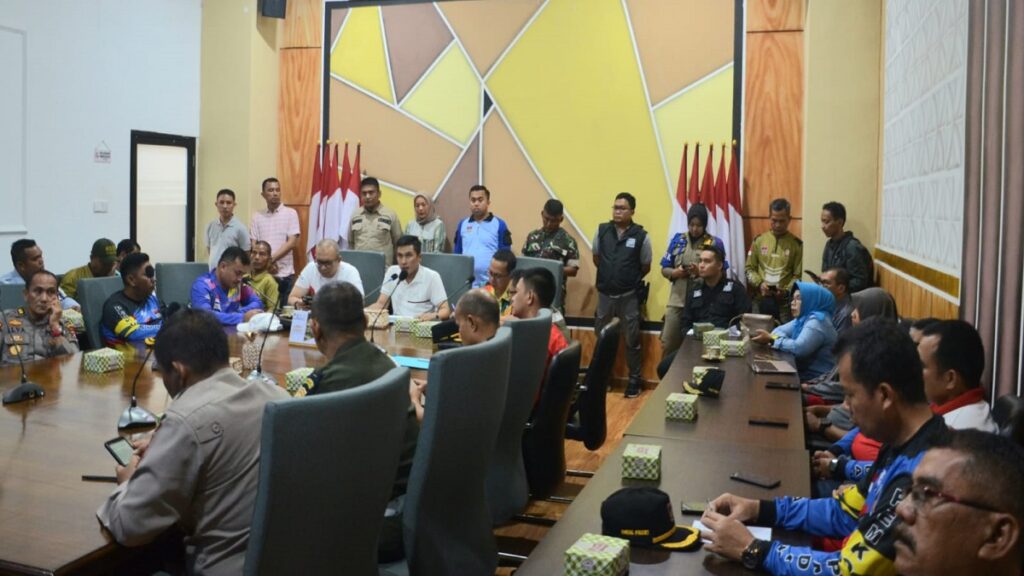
(201, 472)
(220, 237)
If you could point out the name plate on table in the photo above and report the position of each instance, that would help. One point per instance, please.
(302, 332)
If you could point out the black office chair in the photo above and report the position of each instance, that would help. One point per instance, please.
(591, 424)
(1005, 409)
(544, 437)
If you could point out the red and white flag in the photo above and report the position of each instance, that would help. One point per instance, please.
(737, 243)
(680, 204)
(331, 207)
(314, 228)
(707, 193)
(721, 209)
(351, 200)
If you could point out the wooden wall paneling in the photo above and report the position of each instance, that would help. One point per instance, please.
(773, 129)
(914, 301)
(299, 121)
(300, 250)
(303, 24)
(651, 343)
(775, 15)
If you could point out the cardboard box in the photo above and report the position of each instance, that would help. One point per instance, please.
(295, 378)
(103, 360)
(596, 555)
(679, 406)
(642, 462)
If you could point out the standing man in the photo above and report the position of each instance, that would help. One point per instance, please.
(226, 231)
(774, 263)
(221, 290)
(102, 260)
(481, 234)
(552, 242)
(842, 250)
(327, 267)
(622, 254)
(259, 276)
(375, 227)
(421, 294)
(499, 279)
(200, 470)
(132, 314)
(279, 227)
(36, 330)
(837, 281)
(27, 258)
(124, 248)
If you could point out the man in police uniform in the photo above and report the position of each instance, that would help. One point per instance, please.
(375, 227)
(552, 242)
(338, 323)
(715, 298)
(37, 331)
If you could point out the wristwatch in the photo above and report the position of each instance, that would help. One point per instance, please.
(823, 425)
(832, 465)
(755, 553)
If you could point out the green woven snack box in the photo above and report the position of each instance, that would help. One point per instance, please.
(74, 319)
(714, 337)
(700, 328)
(404, 323)
(735, 347)
(596, 555)
(295, 378)
(642, 462)
(422, 329)
(103, 360)
(681, 406)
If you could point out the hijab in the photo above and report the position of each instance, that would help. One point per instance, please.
(431, 216)
(874, 302)
(815, 302)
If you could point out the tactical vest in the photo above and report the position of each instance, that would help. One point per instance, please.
(620, 268)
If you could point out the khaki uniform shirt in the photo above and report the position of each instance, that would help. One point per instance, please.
(33, 340)
(69, 283)
(376, 232)
(200, 472)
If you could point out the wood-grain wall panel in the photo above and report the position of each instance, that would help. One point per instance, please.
(913, 300)
(299, 120)
(303, 24)
(300, 251)
(651, 343)
(775, 15)
(773, 128)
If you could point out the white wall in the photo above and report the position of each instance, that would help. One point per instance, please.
(95, 70)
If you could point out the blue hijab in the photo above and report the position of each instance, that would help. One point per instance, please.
(815, 302)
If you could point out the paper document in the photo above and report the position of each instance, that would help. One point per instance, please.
(759, 532)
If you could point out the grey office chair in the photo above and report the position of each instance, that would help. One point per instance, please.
(455, 270)
(12, 296)
(553, 266)
(371, 271)
(507, 489)
(327, 467)
(174, 281)
(92, 294)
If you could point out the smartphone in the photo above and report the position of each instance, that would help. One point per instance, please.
(120, 449)
(783, 386)
(755, 480)
(767, 421)
(693, 508)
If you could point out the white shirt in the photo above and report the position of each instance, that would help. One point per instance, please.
(975, 416)
(311, 281)
(425, 293)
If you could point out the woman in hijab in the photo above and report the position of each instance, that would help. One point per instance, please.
(427, 227)
(810, 335)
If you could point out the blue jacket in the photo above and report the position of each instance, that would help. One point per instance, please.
(229, 307)
(812, 347)
(853, 470)
(481, 240)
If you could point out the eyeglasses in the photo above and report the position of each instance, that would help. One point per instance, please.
(325, 263)
(925, 497)
(149, 272)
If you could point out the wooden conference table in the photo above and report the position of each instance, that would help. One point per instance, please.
(697, 459)
(48, 519)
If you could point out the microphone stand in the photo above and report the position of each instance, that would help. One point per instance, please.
(258, 375)
(387, 303)
(135, 416)
(25, 390)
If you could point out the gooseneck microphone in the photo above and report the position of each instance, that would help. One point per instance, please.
(257, 375)
(134, 416)
(387, 303)
(25, 390)
(465, 287)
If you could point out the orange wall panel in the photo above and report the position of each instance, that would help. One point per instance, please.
(299, 119)
(303, 24)
(775, 15)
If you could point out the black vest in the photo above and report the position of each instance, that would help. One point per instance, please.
(619, 269)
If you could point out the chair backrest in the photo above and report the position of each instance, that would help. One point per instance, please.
(593, 424)
(447, 525)
(371, 271)
(455, 270)
(12, 296)
(174, 281)
(507, 490)
(92, 295)
(553, 266)
(325, 479)
(544, 437)
(1005, 408)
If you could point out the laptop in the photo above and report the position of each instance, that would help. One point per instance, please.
(772, 367)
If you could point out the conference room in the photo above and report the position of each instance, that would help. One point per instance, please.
(511, 287)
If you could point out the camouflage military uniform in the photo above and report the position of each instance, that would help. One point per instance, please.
(557, 245)
(778, 262)
(33, 340)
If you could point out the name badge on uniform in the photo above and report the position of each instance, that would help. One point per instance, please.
(697, 293)
(631, 243)
(728, 287)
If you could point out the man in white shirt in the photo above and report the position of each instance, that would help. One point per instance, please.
(953, 359)
(226, 231)
(327, 267)
(421, 293)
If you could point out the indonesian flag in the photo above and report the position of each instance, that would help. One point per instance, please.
(707, 193)
(350, 197)
(737, 242)
(680, 204)
(331, 207)
(315, 228)
(721, 208)
(693, 188)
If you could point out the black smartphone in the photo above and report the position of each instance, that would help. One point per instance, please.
(783, 386)
(755, 480)
(768, 421)
(693, 508)
(120, 449)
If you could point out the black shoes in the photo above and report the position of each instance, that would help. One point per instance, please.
(633, 388)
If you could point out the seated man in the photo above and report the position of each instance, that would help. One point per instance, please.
(965, 510)
(102, 261)
(837, 281)
(533, 291)
(499, 278)
(221, 290)
(36, 331)
(260, 278)
(953, 357)
(327, 267)
(132, 314)
(338, 323)
(27, 258)
(476, 315)
(881, 376)
(201, 467)
(421, 295)
(124, 248)
(714, 298)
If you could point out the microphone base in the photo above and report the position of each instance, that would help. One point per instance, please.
(22, 392)
(257, 376)
(136, 417)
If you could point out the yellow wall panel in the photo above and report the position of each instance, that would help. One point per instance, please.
(448, 97)
(400, 202)
(359, 55)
